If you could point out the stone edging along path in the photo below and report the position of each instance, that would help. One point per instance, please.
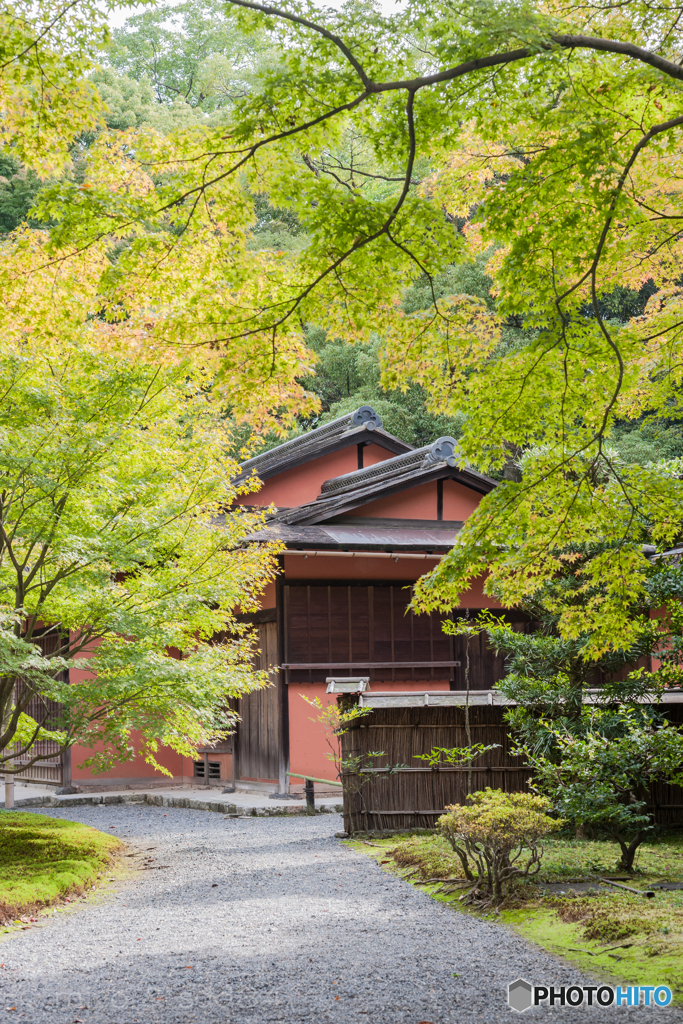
(162, 800)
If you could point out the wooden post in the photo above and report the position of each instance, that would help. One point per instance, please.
(282, 695)
(66, 767)
(309, 792)
(9, 792)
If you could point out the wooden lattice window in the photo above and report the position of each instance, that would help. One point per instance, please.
(349, 628)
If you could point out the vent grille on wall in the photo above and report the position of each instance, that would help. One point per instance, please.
(214, 769)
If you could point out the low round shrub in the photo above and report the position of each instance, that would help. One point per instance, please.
(497, 838)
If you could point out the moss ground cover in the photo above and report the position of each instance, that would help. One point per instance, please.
(43, 859)
(610, 933)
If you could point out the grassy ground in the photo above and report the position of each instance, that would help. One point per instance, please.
(43, 859)
(611, 933)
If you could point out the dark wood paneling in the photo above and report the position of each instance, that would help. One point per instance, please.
(364, 625)
(51, 766)
(257, 732)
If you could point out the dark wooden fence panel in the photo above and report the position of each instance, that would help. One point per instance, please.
(50, 767)
(667, 800)
(415, 798)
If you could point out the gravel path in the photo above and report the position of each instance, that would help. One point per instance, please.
(260, 920)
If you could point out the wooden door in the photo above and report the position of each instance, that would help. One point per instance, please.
(257, 732)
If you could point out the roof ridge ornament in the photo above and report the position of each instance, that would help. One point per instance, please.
(442, 450)
(365, 416)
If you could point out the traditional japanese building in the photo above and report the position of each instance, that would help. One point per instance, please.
(362, 515)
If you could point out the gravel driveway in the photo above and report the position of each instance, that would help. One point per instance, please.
(261, 920)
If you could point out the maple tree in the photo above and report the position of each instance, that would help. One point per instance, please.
(47, 49)
(117, 554)
(545, 136)
(118, 557)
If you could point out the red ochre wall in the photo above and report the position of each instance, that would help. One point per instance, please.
(125, 773)
(302, 483)
(459, 502)
(307, 744)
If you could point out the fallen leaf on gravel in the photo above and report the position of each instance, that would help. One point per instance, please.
(215, 885)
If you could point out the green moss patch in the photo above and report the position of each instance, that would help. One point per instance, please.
(610, 933)
(619, 939)
(43, 859)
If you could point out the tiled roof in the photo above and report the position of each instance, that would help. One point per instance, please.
(351, 533)
(343, 493)
(431, 455)
(361, 425)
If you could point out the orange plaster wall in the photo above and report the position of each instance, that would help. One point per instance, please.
(372, 454)
(301, 484)
(134, 769)
(307, 738)
(459, 502)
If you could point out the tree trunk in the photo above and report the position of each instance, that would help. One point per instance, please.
(628, 851)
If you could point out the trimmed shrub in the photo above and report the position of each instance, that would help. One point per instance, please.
(497, 838)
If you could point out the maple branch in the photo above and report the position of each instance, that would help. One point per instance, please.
(34, 44)
(571, 42)
(305, 23)
(361, 243)
(250, 151)
(667, 67)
